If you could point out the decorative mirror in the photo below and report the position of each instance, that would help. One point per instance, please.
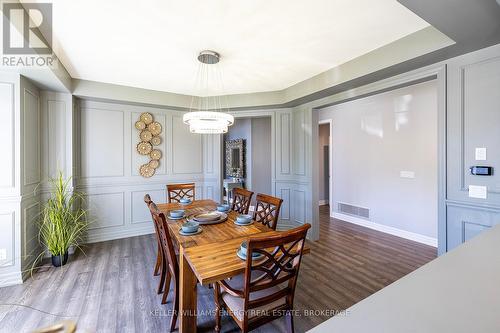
(235, 158)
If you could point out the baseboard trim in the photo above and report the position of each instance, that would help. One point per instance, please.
(10, 279)
(323, 202)
(101, 235)
(388, 230)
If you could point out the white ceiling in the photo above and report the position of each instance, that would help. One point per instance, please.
(265, 45)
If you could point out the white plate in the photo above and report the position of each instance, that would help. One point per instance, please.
(222, 218)
(244, 257)
(243, 224)
(190, 233)
(176, 218)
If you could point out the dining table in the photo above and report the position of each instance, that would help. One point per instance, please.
(209, 256)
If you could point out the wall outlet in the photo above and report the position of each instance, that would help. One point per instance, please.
(3, 254)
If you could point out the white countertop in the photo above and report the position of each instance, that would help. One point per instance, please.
(457, 292)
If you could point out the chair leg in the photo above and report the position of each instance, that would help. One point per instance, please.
(167, 287)
(164, 270)
(175, 306)
(158, 262)
(218, 309)
(289, 322)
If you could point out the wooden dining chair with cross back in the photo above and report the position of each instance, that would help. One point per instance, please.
(241, 200)
(170, 267)
(176, 192)
(156, 271)
(267, 210)
(265, 291)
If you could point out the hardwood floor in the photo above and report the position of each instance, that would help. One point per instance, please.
(112, 289)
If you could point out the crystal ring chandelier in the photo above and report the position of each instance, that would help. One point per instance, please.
(206, 116)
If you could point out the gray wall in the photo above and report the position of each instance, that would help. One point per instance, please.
(473, 118)
(108, 167)
(377, 137)
(261, 155)
(323, 143)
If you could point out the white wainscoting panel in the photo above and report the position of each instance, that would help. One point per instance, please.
(7, 239)
(7, 167)
(31, 212)
(103, 136)
(187, 149)
(140, 213)
(283, 143)
(106, 210)
(31, 139)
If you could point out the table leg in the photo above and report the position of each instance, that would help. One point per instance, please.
(187, 304)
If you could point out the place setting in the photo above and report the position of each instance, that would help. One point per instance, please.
(185, 201)
(176, 214)
(243, 220)
(242, 252)
(190, 228)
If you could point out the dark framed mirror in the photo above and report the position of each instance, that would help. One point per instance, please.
(235, 158)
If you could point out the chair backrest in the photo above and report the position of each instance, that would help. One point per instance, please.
(167, 245)
(280, 265)
(176, 192)
(267, 210)
(147, 200)
(241, 200)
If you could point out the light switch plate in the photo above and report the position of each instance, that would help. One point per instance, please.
(480, 154)
(407, 174)
(480, 192)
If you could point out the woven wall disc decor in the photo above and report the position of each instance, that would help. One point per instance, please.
(155, 141)
(146, 171)
(154, 128)
(155, 154)
(144, 148)
(154, 164)
(146, 135)
(140, 125)
(149, 134)
(146, 118)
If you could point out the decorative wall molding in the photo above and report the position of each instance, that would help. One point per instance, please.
(31, 137)
(8, 139)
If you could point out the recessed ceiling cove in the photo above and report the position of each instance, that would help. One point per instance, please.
(264, 45)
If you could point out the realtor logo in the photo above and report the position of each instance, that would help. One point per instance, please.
(23, 25)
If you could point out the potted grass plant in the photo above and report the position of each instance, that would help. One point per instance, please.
(63, 222)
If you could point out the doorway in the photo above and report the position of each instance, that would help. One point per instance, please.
(325, 156)
(256, 134)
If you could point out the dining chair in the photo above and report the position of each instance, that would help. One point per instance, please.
(241, 200)
(176, 192)
(170, 268)
(267, 210)
(156, 271)
(265, 291)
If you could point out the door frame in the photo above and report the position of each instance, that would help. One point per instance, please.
(270, 113)
(330, 159)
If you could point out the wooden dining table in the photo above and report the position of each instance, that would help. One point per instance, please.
(207, 257)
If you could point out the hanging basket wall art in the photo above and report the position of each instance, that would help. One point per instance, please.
(149, 134)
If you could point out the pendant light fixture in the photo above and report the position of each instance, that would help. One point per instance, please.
(206, 114)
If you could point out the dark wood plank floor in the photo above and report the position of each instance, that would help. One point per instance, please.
(111, 289)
